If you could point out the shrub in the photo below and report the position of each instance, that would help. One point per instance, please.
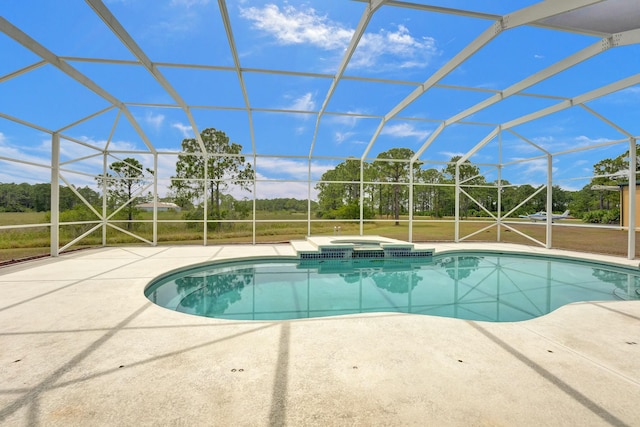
(194, 214)
(77, 214)
(592, 217)
(611, 216)
(350, 211)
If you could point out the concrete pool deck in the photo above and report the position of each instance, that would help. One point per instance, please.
(81, 345)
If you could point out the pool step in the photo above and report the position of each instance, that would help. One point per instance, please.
(348, 247)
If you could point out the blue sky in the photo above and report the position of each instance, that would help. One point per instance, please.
(400, 49)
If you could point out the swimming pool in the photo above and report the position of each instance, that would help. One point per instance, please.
(489, 286)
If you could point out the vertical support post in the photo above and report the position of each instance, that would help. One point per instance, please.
(499, 205)
(361, 197)
(155, 199)
(205, 186)
(633, 164)
(549, 200)
(105, 189)
(499, 201)
(55, 195)
(255, 196)
(456, 237)
(410, 202)
(308, 198)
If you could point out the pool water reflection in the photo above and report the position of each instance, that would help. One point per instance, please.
(475, 286)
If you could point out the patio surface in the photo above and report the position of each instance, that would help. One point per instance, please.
(81, 345)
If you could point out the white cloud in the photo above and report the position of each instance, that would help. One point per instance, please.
(15, 171)
(24, 153)
(538, 56)
(451, 154)
(12, 171)
(402, 49)
(405, 130)
(19, 173)
(303, 103)
(271, 168)
(536, 167)
(155, 120)
(291, 26)
(542, 140)
(524, 147)
(533, 172)
(554, 144)
(186, 130)
(343, 136)
(348, 120)
(123, 146)
(585, 141)
(297, 169)
(40, 154)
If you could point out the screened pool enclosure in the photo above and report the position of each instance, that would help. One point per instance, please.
(383, 117)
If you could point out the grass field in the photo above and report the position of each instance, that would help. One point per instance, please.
(23, 242)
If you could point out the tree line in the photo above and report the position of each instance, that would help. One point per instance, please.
(37, 197)
(385, 190)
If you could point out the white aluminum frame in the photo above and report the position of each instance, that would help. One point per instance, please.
(534, 15)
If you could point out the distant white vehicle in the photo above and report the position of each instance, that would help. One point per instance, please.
(542, 216)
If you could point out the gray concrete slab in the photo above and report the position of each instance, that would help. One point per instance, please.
(81, 345)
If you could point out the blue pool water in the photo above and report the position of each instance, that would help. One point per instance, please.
(494, 287)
